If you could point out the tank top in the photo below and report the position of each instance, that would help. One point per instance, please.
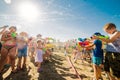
(114, 46)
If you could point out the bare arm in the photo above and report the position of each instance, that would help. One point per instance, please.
(4, 38)
(117, 34)
(2, 31)
(91, 45)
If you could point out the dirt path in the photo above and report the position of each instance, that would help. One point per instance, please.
(56, 69)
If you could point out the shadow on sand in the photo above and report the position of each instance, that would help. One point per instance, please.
(54, 70)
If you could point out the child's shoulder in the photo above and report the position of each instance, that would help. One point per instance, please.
(117, 34)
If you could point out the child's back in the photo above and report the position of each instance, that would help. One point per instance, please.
(98, 52)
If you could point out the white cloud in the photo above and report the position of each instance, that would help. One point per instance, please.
(8, 1)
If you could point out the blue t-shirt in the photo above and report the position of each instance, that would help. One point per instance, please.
(98, 52)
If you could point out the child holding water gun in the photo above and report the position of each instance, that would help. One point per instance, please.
(8, 50)
(22, 40)
(39, 55)
(97, 57)
(112, 56)
(32, 46)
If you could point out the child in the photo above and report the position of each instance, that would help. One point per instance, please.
(1, 32)
(8, 50)
(97, 57)
(82, 43)
(77, 53)
(32, 46)
(112, 56)
(39, 55)
(22, 50)
(74, 52)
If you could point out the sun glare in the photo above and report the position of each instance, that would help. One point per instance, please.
(8, 1)
(28, 11)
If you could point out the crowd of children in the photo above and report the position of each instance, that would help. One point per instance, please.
(107, 58)
(15, 45)
(18, 46)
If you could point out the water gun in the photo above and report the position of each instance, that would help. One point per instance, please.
(83, 43)
(13, 35)
(44, 49)
(102, 36)
(81, 39)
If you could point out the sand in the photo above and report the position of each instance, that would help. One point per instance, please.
(57, 68)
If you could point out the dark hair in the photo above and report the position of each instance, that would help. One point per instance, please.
(97, 34)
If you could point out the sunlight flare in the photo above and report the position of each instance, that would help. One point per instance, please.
(28, 11)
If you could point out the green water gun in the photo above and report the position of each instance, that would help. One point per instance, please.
(14, 35)
(44, 49)
(102, 36)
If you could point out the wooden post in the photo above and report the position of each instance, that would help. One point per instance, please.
(71, 64)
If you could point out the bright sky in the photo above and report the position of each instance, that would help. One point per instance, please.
(60, 19)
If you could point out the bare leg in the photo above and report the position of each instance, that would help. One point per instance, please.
(19, 63)
(24, 62)
(95, 71)
(4, 54)
(13, 64)
(110, 76)
(39, 67)
(99, 71)
(12, 54)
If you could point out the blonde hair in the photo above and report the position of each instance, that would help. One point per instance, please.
(109, 26)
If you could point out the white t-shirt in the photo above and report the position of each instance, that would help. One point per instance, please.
(21, 41)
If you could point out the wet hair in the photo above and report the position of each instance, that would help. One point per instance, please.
(109, 26)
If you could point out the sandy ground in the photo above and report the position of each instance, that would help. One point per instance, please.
(56, 69)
